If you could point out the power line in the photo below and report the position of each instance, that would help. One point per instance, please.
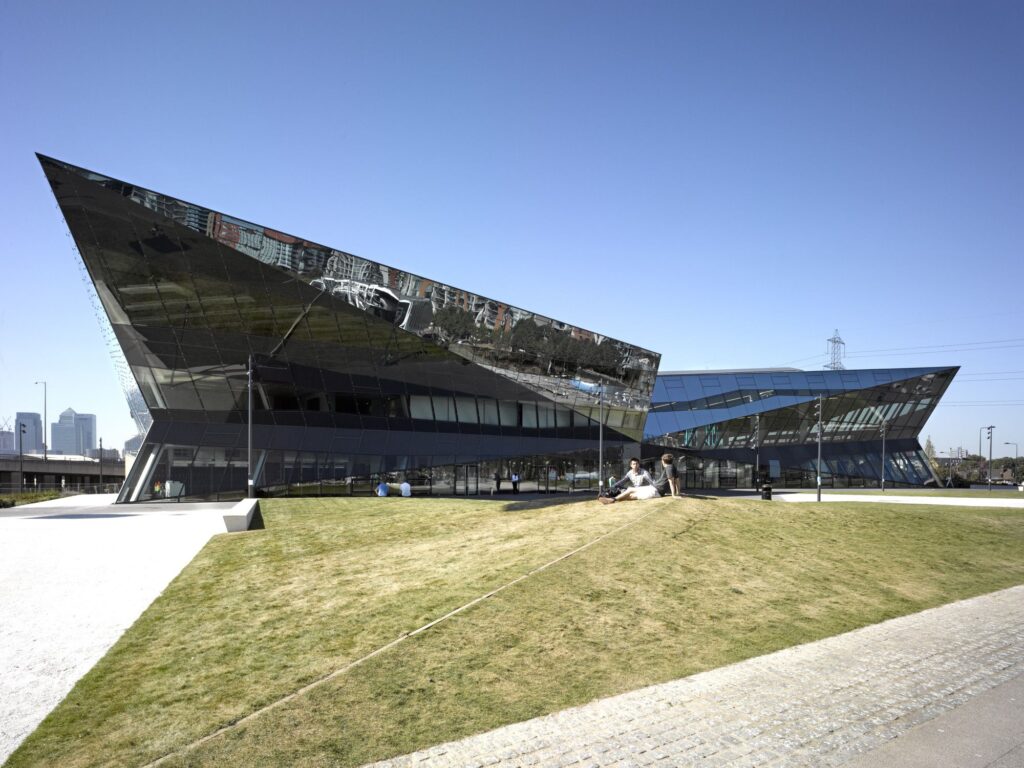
(985, 381)
(990, 373)
(938, 346)
(937, 351)
(979, 403)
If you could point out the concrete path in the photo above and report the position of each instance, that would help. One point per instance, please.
(957, 669)
(74, 574)
(986, 732)
(895, 498)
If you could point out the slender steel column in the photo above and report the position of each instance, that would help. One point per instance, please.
(250, 485)
(600, 441)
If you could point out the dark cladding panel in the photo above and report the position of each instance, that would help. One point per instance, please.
(337, 343)
(558, 361)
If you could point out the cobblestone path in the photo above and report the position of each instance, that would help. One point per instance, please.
(819, 704)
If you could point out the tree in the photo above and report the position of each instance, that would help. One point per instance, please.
(929, 449)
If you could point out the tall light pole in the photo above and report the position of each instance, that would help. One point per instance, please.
(600, 440)
(885, 424)
(101, 465)
(819, 407)
(990, 428)
(44, 418)
(757, 451)
(21, 453)
(1014, 459)
(250, 483)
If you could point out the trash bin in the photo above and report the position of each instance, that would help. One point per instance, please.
(766, 491)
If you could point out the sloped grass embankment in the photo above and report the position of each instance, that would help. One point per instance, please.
(687, 585)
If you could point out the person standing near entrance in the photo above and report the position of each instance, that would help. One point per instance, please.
(497, 481)
(515, 482)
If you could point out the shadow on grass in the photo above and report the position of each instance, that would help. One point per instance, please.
(540, 502)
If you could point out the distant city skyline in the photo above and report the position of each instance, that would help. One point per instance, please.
(73, 433)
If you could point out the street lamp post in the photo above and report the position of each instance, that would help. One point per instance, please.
(884, 425)
(1014, 459)
(250, 484)
(101, 465)
(600, 440)
(757, 451)
(21, 454)
(821, 407)
(44, 418)
(990, 427)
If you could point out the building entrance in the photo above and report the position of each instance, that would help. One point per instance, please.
(467, 480)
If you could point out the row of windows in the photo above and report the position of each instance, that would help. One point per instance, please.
(169, 471)
(453, 409)
(706, 384)
(691, 393)
(845, 419)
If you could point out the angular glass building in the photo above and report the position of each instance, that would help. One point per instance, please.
(363, 372)
(728, 422)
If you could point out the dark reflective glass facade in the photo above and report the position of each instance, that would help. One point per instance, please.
(362, 370)
(726, 422)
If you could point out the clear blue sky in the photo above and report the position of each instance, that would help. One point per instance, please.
(723, 182)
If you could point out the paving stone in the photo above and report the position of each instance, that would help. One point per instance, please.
(819, 704)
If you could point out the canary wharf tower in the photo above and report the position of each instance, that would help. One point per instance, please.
(361, 371)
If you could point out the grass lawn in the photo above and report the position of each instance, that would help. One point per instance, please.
(691, 585)
(997, 492)
(27, 497)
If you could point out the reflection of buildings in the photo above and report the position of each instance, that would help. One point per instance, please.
(133, 444)
(365, 370)
(360, 368)
(727, 420)
(410, 314)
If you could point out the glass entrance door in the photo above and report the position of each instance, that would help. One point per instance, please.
(467, 480)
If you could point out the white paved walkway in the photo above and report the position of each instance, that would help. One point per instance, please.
(74, 574)
(895, 498)
(821, 704)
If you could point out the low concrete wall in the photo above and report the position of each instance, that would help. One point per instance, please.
(239, 517)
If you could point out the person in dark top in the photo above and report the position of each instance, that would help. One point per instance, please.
(668, 481)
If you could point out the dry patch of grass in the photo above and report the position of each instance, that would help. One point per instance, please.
(697, 584)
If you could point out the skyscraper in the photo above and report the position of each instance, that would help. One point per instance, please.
(33, 435)
(73, 433)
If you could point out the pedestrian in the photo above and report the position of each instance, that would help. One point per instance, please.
(405, 488)
(497, 481)
(515, 482)
(382, 489)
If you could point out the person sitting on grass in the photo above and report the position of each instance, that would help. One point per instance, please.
(668, 482)
(635, 484)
